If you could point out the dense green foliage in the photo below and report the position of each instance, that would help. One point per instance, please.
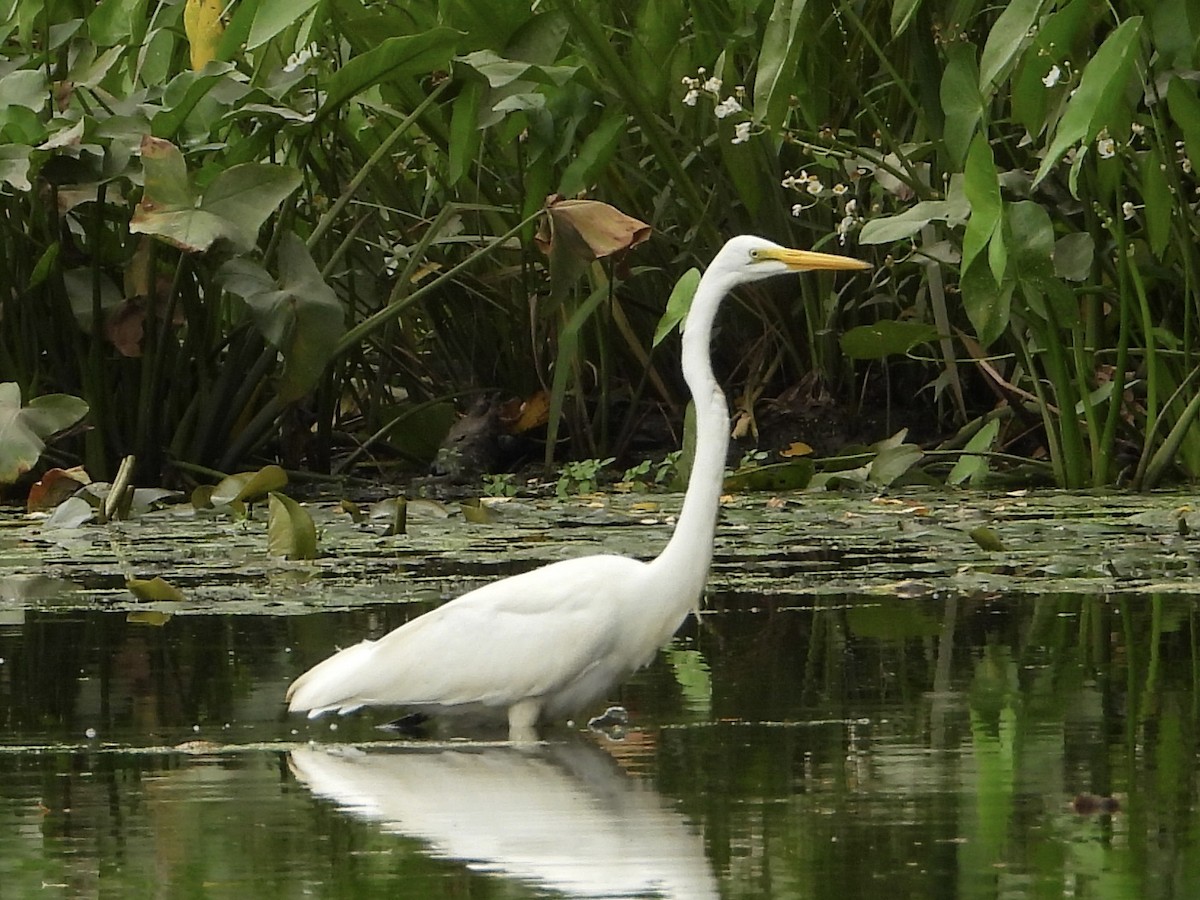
(313, 225)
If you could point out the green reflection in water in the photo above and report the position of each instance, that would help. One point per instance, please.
(831, 746)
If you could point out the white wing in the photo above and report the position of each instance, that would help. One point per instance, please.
(531, 635)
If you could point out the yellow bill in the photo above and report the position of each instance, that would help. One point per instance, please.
(808, 260)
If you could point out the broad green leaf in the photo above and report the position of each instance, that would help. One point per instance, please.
(248, 485)
(889, 229)
(299, 313)
(1100, 88)
(291, 532)
(961, 101)
(246, 195)
(188, 92)
(273, 16)
(982, 187)
(1057, 38)
(23, 430)
(987, 302)
(793, 475)
(27, 88)
(777, 55)
(465, 135)
(1012, 29)
(971, 465)
(112, 21)
(395, 57)
(892, 462)
(14, 166)
(885, 338)
(1073, 256)
(678, 304)
(234, 207)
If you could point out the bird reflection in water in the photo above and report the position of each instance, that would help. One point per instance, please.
(560, 816)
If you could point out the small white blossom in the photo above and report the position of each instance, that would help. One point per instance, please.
(788, 182)
(713, 85)
(839, 189)
(727, 107)
(1138, 129)
(741, 132)
(1106, 147)
(844, 227)
(740, 91)
(814, 186)
(1053, 77)
(797, 209)
(690, 98)
(1128, 210)
(300, 58)
(851, 207)
(1186, 165)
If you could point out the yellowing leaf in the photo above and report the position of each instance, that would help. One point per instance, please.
(291, 532)
(153, 589)
(202, 24)
(796, 448)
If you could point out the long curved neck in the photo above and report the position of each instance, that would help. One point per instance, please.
(686, 558)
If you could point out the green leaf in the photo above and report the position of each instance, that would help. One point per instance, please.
(1073, 255)
(961, 100)
(595, 153)
(465, 135)
(396, 57)
(1100, 88)
(1185, 110)
(245, 195)
(1159, 202)
(892, 462)
(889, 229)
(982, 187)
(1057, 39)
(678, 304)
(14, 166)
(987, 302)
(777, 54)
(972, 466)
(272, 16)
(902, 15)
(1004, 41)
(291, 532)
(234, 207)
(793, 475)
(885, 338)
(23, 430)
(300, 314)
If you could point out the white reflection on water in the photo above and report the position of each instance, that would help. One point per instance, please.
(561, 816)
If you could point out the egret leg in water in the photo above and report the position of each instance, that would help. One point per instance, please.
(545, 644)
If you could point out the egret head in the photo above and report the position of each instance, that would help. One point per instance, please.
(748, 258)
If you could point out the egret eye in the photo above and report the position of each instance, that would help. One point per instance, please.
(754, 254)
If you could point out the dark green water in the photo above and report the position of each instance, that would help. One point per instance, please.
(842, 748)
(872, 705)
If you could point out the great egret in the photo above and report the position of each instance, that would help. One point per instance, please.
(546, 643)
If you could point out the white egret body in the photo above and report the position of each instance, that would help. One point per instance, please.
(546, 643)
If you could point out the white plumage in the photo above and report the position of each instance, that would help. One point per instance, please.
(546, 643)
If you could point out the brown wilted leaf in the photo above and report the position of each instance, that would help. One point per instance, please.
(123, 326)
(519, 416)
(587, 230)
(54, 487)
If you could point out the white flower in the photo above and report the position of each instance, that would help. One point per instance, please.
(1053, 77)
(797, 209)
(1128, 210)
(851, 207)
(844, 227)
(713, 85)
(741, 132)
(1138, 129)
(839, 189)
(814, 186)
(788, 182)
(300, 58)
(1106, 147)
(690, 98)
(727, 107)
